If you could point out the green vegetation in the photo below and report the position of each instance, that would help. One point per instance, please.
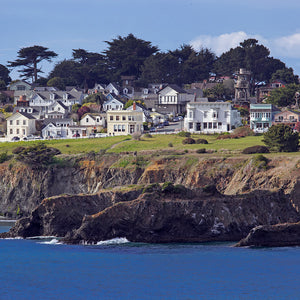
(260, 161)
(281, 138)
(256, 149)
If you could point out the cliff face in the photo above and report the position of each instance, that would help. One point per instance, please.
(173, 215)
(23, 188)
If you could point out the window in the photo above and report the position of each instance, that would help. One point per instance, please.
(191, 125)
(10, 122)
(115, 128)
(18, 122)
(219, 125)
(123, 118)
(191, 115)
(10, 131)
(215, 114)
(111, 118)
(205, 114)
(119, 128)
(209, 125)
(129, 118)
(24, 122)
(24, 132)
(87, 120)
(198, 126)
(20, 88)
(117, 118)
(280, 118)
(123, 128)
(205, 125)
(97, 120)
(215, 125)
(18, 130)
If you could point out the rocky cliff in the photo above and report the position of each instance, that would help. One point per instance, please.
(80, 199)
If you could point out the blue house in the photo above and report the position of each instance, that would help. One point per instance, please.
(262, 116)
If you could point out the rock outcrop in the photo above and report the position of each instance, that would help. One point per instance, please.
(158, 216)
(279, 235)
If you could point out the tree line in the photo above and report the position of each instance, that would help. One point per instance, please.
(132, 56)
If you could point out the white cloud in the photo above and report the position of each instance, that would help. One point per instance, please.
(222, 43)
(287, 46)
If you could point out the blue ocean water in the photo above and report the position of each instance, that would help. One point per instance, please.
(33, 269)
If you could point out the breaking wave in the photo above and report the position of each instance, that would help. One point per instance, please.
(114, 241)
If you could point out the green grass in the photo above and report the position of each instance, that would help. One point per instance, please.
(119, 144)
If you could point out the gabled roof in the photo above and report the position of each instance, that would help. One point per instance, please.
(61, 104)
(176, 88)
(26, 115)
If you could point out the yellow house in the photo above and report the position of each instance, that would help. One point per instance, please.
(124, 122)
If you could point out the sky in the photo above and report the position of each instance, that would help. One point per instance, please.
(63, 25)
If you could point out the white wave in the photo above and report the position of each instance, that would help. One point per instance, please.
(7, 221)
(52, 242)
(41, 237)
(14, 238)
(114, 241)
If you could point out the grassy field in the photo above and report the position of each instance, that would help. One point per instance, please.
(119, 144)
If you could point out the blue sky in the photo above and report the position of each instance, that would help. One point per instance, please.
(63, 25)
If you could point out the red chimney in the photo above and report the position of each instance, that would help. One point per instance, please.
(134, 106)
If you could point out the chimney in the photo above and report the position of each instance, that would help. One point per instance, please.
(134, 106)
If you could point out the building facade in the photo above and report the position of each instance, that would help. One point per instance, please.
(211, 117)
(262, 116)
(124, 122)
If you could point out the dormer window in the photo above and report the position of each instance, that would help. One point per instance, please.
(66, 96)
(52, 96)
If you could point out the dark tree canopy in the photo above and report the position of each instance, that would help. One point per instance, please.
(284, 96)
(286, 75)
(28, 58)
(253, 57)
(4, 74)
(281, 138)
(126, 55)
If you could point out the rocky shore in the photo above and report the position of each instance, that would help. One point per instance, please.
(166, 198)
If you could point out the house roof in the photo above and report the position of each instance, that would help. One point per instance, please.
(61, 104)
(26, 115)
(176, 88)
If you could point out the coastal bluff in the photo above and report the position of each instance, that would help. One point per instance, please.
(165, 197)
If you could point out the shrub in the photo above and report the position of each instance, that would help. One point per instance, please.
(18, 150)
(37, 155)
(184, 134)
(210, 189)
(224, 136)
(167, 187)
(170, 145)
(180, 189)
(243, 131)
(151, 188)
(136, 135)
(281, 138)
(201, 141)
(188, 141)
(147, 135)
(256, 149)
(4, 157)
(260, 161)
(201, 150)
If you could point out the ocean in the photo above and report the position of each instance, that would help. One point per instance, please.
(118, 269)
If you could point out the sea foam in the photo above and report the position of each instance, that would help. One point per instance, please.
(121, 240)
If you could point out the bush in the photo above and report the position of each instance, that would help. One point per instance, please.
(256, 149)
(260, 161)
(4, 157)
(136, 135)
(18, 150)
(201, 141)
(201, 150)
(167, 187)
(151, 188)
(184, 134)
(281, 138)
(188, 141)
(170, 145)
(243, 131)
(147, 135)
(37, 155)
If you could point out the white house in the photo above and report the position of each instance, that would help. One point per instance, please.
(56, 127)
(57, 110)
(173, 99)
(20, 124)
(113, 88)
(93, 122)
(211, 117)
(136, 107)
(113, 102)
